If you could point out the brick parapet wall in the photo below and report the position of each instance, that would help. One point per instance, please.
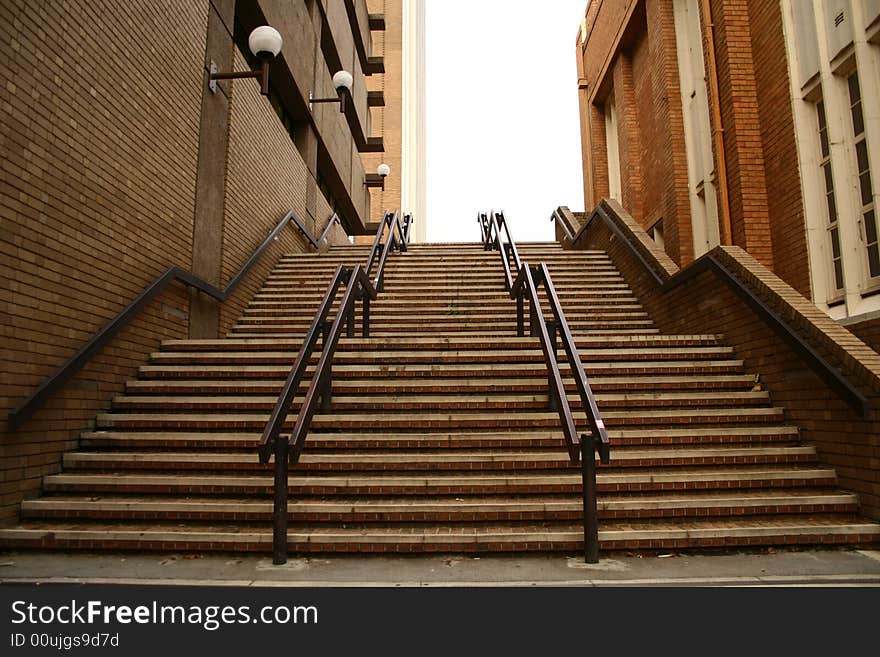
(706, 305)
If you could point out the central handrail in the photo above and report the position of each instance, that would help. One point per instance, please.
(526, 286)
(358, 287)
(492, 225)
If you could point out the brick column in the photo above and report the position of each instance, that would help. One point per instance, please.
(749, 213)
(628, 137)
(671, 172)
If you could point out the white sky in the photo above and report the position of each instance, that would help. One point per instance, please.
(503, 130)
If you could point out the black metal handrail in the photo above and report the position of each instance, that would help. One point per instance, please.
(24, 410)
(316, 243)
(837, 380)
(288, 449)
(583, 447)
(492, 226)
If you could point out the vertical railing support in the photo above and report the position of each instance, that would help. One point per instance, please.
(551, 332)
(279, 507)
(591, 511)
(520, 314)
(349, 320)
(534, 331)
(366, 316)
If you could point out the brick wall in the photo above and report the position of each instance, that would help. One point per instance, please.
(784, 201)
(387, 121)
(266, 177)
(97, 199)
(867, 330)
(637, 44)
(706, 305)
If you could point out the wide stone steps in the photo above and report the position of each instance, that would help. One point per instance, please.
(440, 437)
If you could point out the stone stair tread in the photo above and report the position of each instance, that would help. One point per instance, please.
(711, 473)
(486, 534)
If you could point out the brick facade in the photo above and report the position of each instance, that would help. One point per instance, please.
(630, 46)
(100, 152)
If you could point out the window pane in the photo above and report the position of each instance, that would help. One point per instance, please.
(829, 181)
(855, 93)
(858, 121)
(832, 209)
(835, 244)
(862, 155)
(870, 227)
(838, 274)
(874, 260)
(867, 192)
(823, 129)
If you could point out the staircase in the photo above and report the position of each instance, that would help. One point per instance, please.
(440, 439)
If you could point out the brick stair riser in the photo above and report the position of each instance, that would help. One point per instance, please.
(573, 513)
(421, 488)
(415, 423)
(435, 385)
(313, 465)
(329, 441)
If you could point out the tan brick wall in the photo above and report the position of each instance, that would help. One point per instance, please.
(266, 177)
(706, 305)
(868, 331)
(388, 120)
(97, 198)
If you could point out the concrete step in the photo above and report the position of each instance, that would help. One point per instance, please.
(448, 460)
(514, 483)
(397, 386)
(614, 535)
(421, 421)
(550, 438)
(449, 343)
(442, 399)
(447, 510)
(281, 368)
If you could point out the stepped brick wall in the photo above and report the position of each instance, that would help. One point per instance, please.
(868, 331)
(97, 198)
(844, 440)
(628, 50)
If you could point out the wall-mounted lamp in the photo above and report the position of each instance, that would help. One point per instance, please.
(265, 42)
(343, 81)
(378, 179)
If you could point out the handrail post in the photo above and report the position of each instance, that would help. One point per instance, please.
(279, 507)
(520, 314)
(365, 320)
(591, 511)
(349, 321)
(533, 320)
(551, 332)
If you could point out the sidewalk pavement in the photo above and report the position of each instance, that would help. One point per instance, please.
(779, 568)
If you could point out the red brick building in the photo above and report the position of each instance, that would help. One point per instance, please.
(743, 122)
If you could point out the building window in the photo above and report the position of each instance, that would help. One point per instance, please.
(830, 201)
(863, 169)
(833, 70)
(613, 151)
